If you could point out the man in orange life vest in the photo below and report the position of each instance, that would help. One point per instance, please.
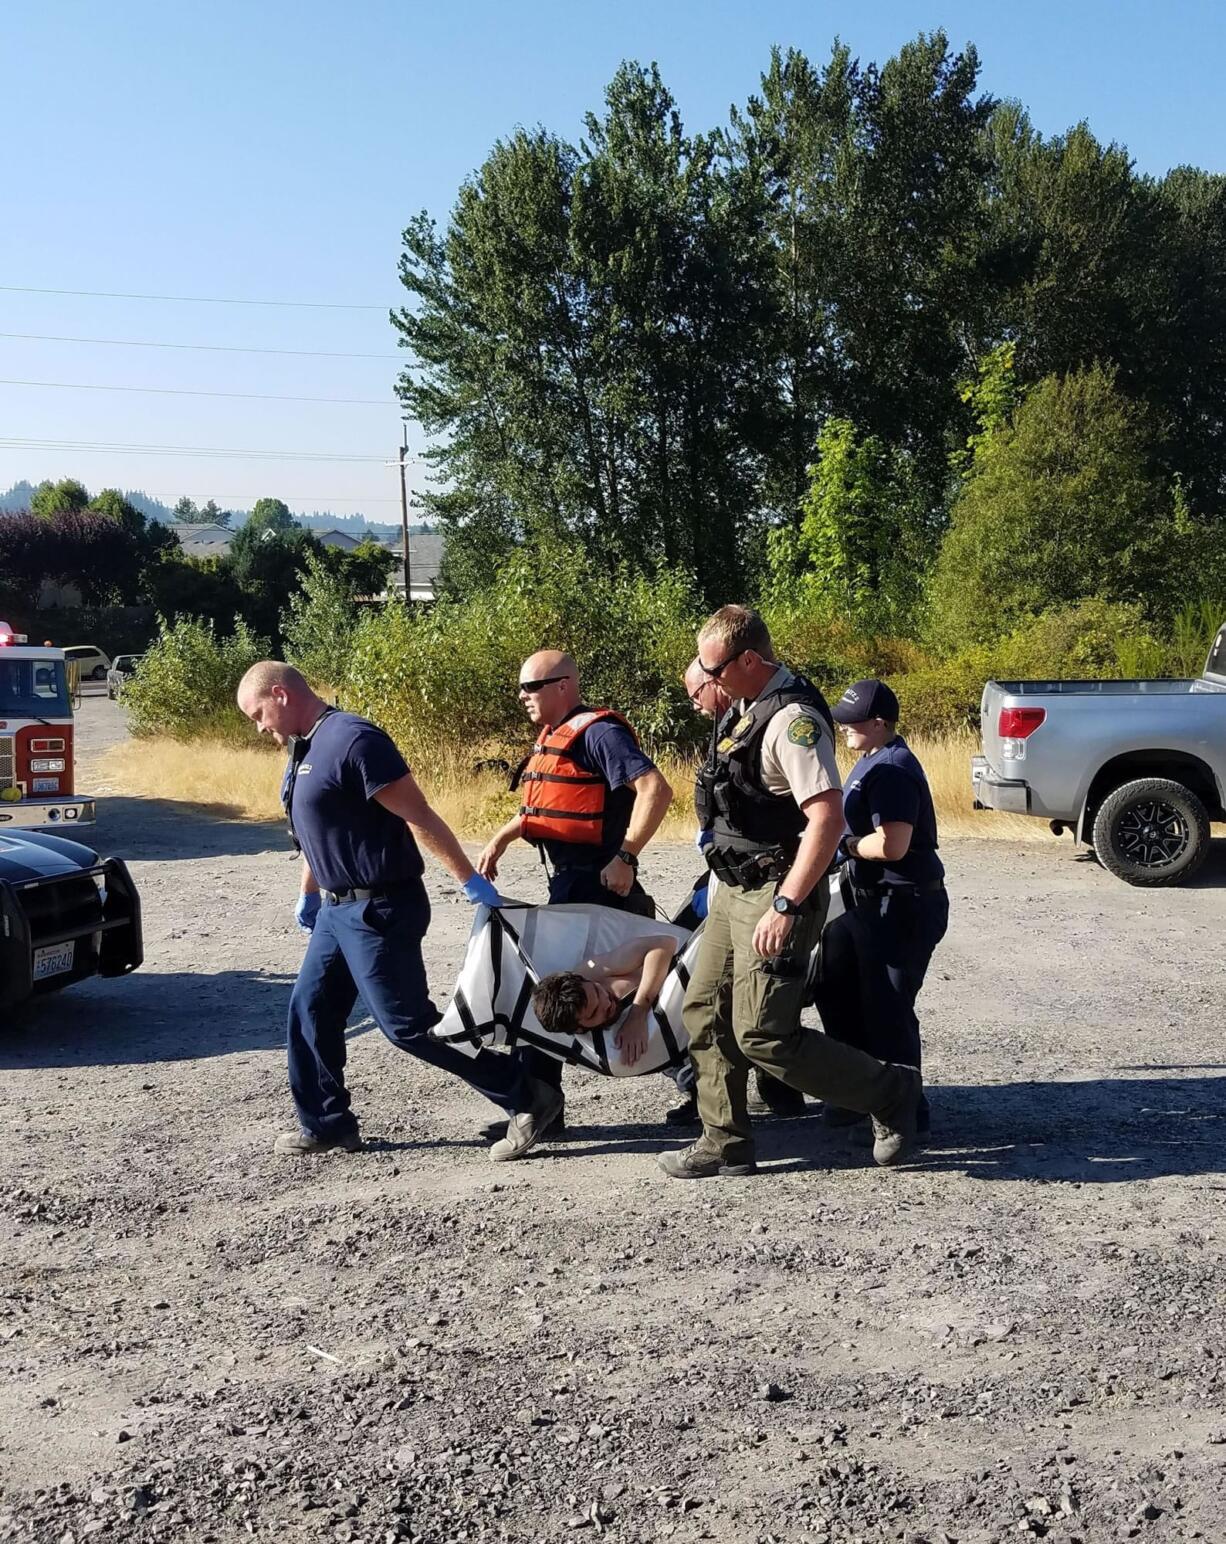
(592, 800)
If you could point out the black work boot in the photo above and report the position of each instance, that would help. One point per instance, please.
(683, 1114)
(768, 1096)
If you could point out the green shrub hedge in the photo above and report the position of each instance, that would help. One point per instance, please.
(184, 686)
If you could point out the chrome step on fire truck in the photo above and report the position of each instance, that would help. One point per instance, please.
(65, 912)
(36, 752)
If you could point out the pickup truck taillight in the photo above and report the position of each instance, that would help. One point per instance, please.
(1015, 726)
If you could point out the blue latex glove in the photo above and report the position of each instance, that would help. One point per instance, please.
(480, 892)
(307, 910)
(703, 840)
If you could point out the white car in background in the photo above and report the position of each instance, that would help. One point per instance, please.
(89, 660)
(124, 665)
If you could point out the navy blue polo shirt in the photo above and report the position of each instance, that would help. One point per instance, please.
(608, 749)
(350, 841)
(889, 784)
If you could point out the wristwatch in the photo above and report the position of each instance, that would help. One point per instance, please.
(785, 907)
(628, 857)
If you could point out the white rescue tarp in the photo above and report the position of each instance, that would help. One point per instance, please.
(510, 949)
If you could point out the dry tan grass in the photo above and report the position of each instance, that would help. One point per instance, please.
(243, 783)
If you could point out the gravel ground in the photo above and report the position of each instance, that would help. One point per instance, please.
(1019, 1334)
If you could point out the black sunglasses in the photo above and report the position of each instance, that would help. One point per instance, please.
(535, 686)
(713, 672)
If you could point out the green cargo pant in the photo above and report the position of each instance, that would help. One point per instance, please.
(741, 1009)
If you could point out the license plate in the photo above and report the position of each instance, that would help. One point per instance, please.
(53, 960)
(46, 785)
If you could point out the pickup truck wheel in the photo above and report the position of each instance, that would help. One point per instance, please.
(1151, 832)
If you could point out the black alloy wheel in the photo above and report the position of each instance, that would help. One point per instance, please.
(1153, 831)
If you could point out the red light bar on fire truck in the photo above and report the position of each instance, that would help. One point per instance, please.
(7, 635)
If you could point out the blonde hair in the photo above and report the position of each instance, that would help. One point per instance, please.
(737, 628)
(266, 674)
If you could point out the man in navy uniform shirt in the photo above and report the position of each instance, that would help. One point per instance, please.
(350, 800)
(875, 956)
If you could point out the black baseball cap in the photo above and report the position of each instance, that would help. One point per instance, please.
(865, 700)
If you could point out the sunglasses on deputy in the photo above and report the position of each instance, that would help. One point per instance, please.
(536, 686)
(713, 672)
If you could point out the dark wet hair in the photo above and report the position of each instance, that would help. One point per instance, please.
(558, 1001)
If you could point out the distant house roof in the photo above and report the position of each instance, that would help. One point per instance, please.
(336, 539)
(201, 541)
(425, 560)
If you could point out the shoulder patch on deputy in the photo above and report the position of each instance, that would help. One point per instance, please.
(803, 731)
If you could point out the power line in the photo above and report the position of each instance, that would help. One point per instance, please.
(89, 447)
(180, 391)
(201, 300)
(294, 498)
(211, 348)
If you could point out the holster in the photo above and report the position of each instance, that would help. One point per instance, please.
(748, 870)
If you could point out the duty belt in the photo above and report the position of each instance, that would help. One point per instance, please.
(343, 897)
(861, 893)
(748, 870)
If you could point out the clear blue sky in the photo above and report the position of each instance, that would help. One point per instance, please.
(275, 151)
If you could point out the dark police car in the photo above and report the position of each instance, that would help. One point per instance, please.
(65, 914)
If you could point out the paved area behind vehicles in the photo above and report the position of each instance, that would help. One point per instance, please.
(1019, 1335)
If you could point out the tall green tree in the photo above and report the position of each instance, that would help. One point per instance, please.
(585, 338)
(270, 515)
(862, 546)
(1060, 506)
(67, 496)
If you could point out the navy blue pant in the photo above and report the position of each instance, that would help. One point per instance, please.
(372, 949)
(873, 964)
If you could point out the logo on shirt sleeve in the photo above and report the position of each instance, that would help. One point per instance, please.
(803, 731)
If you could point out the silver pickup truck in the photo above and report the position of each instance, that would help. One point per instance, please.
(1136, 769)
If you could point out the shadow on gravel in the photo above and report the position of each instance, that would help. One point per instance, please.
(1099, 1131)
(151, 1017)
(1210, 876)
(163, 830)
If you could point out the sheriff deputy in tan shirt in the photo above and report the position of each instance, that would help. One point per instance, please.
(770, 796)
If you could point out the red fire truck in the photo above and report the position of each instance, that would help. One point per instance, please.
(36, 756)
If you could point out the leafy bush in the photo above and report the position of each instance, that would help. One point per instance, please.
(446, 678)
(320, 622)
(1060, 505)
(185, 684)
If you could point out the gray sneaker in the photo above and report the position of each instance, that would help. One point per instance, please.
(702, 1162)
(530, 1126)
(894, 1127)
(497, 1129)
(300, 1143)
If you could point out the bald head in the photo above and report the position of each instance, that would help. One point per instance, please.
(708, 696)
(549, 686)
(278, 700)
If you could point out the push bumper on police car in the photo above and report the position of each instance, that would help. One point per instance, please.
(65, 914)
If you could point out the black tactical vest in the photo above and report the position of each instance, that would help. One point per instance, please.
(729, 797)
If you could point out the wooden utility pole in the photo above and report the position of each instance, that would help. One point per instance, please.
(404, 515)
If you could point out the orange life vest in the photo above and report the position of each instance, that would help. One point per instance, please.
(563, 802)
